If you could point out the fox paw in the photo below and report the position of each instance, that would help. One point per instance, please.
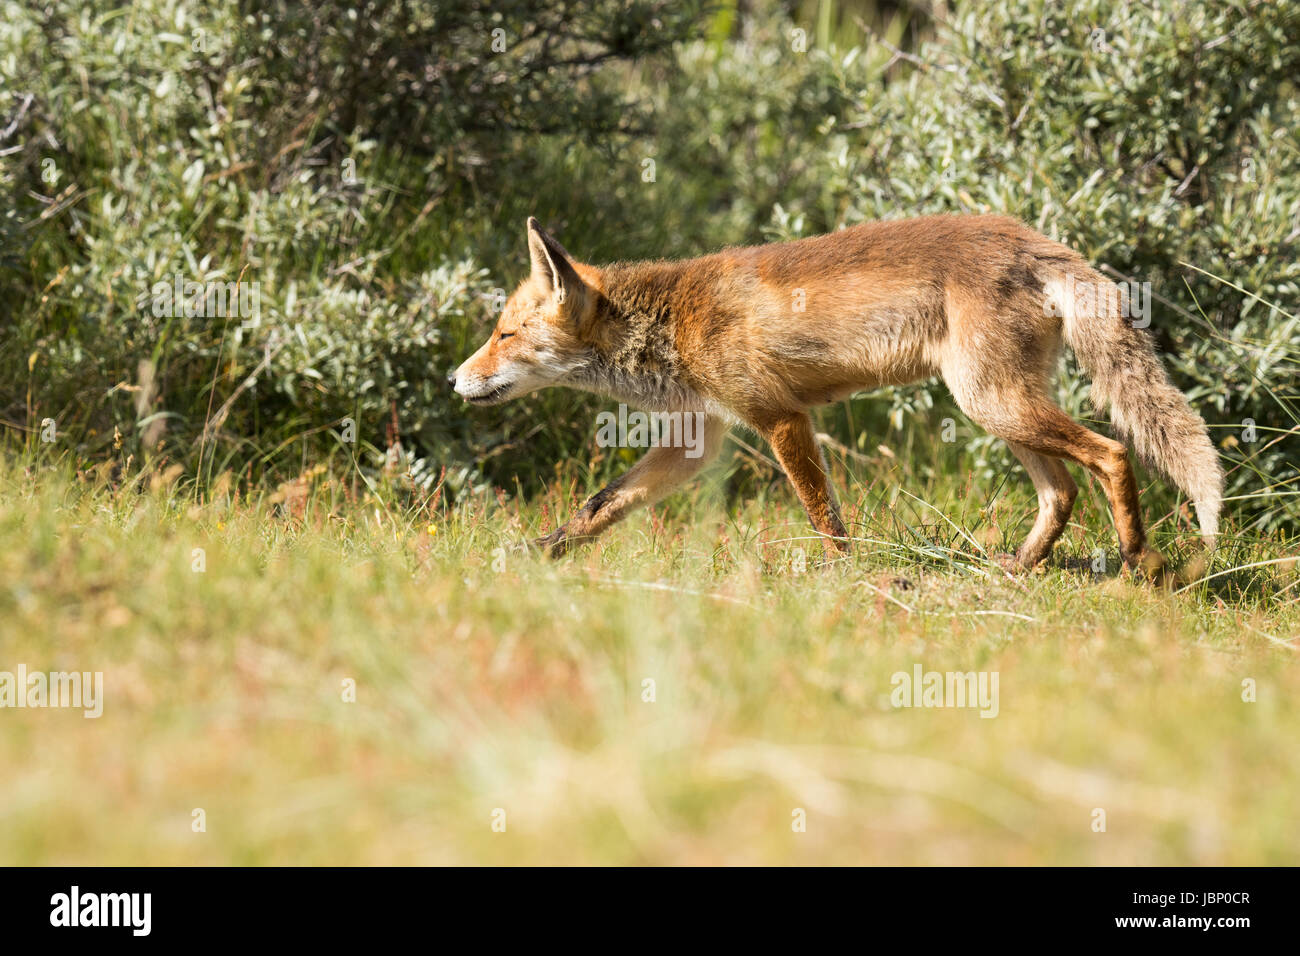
(1151, 565)
(1007, 562)
(1015, 563)
(554, 545)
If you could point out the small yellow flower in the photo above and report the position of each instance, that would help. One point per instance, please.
(432, 529)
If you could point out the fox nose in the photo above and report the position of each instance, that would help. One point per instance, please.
(451, 379)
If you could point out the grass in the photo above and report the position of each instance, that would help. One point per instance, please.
(491, 679)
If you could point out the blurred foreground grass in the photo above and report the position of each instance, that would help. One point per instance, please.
(490, 679)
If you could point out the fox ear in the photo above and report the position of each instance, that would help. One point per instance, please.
(551, 263)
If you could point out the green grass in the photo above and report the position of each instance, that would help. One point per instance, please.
(520, 686)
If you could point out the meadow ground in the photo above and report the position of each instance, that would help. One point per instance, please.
(228, 632)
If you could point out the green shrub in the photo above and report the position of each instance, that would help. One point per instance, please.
(338, 160)
(370, 170)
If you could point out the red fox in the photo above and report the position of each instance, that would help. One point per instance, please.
(757, 336)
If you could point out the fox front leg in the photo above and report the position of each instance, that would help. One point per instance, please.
(794, 442)
(590, 520)
(660, 471)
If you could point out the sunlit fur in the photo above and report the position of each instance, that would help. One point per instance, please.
(756, 336)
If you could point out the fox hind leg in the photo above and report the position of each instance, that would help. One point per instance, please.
(1056, 494)
(1030, 420)
(1059, 436)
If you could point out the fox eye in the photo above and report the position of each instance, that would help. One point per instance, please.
(504, 336)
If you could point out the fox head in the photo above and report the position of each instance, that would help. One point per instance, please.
(536, 341)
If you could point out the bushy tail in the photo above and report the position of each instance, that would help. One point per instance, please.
(1151, 416)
